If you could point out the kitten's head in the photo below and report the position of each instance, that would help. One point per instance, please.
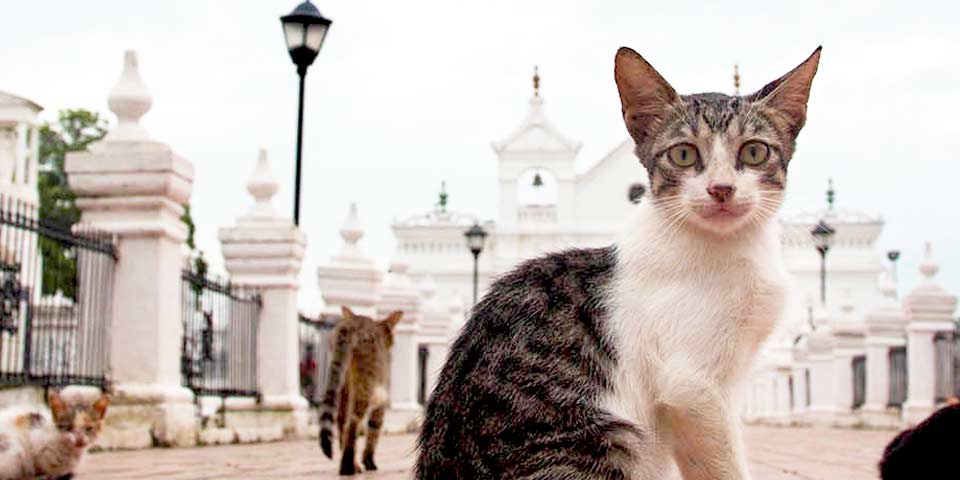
(716, 162)
(384, 328)
(77, 418)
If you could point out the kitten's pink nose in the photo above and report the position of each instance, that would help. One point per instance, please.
(721, 192)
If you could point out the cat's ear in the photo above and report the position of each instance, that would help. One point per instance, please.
(346, 312)
(100, 406)
(645, 97)
(57, 406)
(788, 94)
(393, 319)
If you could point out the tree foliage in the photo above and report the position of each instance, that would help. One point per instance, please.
(73, 131)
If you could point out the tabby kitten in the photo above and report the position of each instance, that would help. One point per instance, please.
(613, 363)
(35, 444)
(362, 351)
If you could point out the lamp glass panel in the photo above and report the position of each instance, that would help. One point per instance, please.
(293, 32)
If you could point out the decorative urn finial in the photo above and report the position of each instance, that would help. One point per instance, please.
(736, 80)
(352, 229)
(536, 81)
(928, 267)
(129, 100)
(262, 187)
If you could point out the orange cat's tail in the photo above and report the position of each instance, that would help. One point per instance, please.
(343, 347)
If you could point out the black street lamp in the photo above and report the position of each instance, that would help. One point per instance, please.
(304, 30)
(476, 237)
(822, 238)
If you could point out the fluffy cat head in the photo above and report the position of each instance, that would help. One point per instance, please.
(384, 328)
(78, 419)
(716, 162)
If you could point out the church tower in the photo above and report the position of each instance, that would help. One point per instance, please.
(536, 170)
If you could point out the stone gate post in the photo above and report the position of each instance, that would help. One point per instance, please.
(929, 311)
(263, 252)
(134, 187)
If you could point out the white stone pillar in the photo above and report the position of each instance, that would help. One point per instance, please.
(885, 329)
(350, 278)
(263, 253)
(929, 311)
(820, 345)
(399, 293)
(782, 394)
(434, 330)
(799, 375)
(134, 187)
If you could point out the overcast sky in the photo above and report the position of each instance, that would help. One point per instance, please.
(406, 94)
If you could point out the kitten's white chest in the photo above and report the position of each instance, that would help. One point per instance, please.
(684, 323)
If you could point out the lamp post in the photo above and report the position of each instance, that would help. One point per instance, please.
(822, 238)
(304, 30)
(476, 237)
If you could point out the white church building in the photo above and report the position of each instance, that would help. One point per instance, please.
(547, 204)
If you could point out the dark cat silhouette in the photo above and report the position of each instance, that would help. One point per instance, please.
(926, 451)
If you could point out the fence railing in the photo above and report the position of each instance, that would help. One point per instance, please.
(56, 300)
(859, 366)
(945, 348)
(219, 345)
(898, 376)
(315, 356)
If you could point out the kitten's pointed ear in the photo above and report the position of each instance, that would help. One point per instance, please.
(100, 406)
(645, 97)
(393, 319)
(788, 94)
(57, 406)
(346, 312)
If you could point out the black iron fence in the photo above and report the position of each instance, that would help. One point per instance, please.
(898, 376)
(315, 349)
(219, 346)
(859, 381)
(56, 299)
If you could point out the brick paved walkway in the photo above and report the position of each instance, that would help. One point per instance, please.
(775, 454)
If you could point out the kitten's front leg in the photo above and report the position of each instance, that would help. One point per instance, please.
(706, 439)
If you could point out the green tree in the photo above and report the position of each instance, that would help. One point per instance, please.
(73, 131)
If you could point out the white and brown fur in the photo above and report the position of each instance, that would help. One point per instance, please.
(614, 363)
(40, 444)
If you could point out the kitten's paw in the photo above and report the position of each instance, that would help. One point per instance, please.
(326, 443)
(368, 463)
(347, 469)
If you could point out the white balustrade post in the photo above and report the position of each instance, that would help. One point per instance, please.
(263, 253)
(820, 345)
(885, 329)
(929, 311)
(399, 293)
(134, 187)
(848, 334)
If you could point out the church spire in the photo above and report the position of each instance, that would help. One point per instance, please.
(830, 194)
(442, 204)
(736, 79)
(536, 81)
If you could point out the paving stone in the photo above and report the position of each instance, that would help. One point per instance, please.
(775, 453)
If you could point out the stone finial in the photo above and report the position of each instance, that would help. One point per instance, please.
(352, 229)
(129, 100)
(888, 289)
(428, 287)
(847, 304)
(736, 80)
(928, 267)
(262, 187)
(352, 232)
(536, 81)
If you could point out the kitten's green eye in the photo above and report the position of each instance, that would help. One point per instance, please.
(754, 153)
(683, 155)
